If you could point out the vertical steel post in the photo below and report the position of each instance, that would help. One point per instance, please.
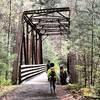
(21, 59)
(27, 42)
(36, 41)
(24, 42)
(40, 49)
(33, 48)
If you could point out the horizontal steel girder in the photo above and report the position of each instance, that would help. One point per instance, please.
(49, 19)
(51, 10)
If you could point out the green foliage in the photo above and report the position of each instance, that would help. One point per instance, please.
(3, 81)
(98, 89)
(46, 3)
(48, 51)
(85, 27)
(88, 91)
(97, 85)
(79, 67)
(73, 87)
(6, 58)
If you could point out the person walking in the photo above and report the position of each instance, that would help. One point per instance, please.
(52, 78)
(63, 75)
(48, 66)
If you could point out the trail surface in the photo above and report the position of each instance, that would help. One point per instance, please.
(37, 89)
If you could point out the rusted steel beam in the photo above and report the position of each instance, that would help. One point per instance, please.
(52, 30)
(28, 20)
(25, 53)
(51, 10)
(64, 26)
(50, 19)
(40, 48)
(53, 26)
(49, 27)
(36, 47)
(33, 48)
(63, 15)
(49, 22)
(53, 34)
(21, 62)
(27, 43)
(53, 23)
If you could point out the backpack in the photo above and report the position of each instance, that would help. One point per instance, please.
(52, 76)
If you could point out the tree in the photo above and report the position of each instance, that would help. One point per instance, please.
(46, 3)
(84, 33)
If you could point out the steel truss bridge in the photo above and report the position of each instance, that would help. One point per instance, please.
(36, 25)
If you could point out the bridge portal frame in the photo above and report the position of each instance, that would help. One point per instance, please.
(37, 24)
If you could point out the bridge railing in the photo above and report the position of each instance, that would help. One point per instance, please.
(29, 71)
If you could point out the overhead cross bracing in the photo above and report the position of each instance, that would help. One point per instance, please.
(46, 21)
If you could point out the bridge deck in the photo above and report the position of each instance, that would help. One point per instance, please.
(39, 79)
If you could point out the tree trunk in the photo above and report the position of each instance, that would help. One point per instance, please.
(85, 73)
(16, 50)
(71, 62)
